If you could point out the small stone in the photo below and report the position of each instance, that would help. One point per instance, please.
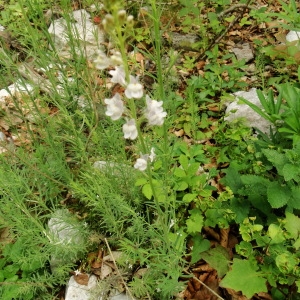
(18, 87)
(184, 41)
(88, 35)
(243, 51)
(293, 36)
(236, 110)
(76, 291)
(64, 229)
(121, 296)
(2, 137)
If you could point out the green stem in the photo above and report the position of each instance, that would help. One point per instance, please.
(160, 81)
(121, 40)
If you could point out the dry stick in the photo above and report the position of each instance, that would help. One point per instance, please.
(233, 8)
(212, 291)
(28, 73)
(214, 42)
(117, 269)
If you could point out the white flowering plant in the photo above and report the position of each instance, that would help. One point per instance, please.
(140, 114)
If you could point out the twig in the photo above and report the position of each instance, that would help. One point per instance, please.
(217, 40)
(212, 291)
(233, 8)
(27, 72)
(117, 269)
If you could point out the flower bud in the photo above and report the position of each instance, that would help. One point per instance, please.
(130, 21)
(122, 16)
(108, 23)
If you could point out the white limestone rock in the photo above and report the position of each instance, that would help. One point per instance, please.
(18, 87)
(113, 168)
(86, 36)
(63, 228)
(243, 51)
(293, 36)
(76, 291)
(64, 231)
(120, 296)
(236, 110)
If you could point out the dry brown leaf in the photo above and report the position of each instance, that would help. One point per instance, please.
(82, 279)
(224, 233)
(179, 132)
(105, 271)
(203, 268)
(140, 273)
(116, 255)
(139, 57)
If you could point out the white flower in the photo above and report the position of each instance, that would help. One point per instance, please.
(118, 75)
(116, 58)
(134, 89)
(172, 223)
(115, 107)
(77, 272)
(154, 112)
(141, 163)
(130, 130)
(152, 155)
(102, 61)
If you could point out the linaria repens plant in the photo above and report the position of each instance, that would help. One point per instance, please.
(129, 109)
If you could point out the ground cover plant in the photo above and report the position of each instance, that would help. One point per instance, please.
(120, 134)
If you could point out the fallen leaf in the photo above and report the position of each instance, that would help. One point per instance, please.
(82, 279)
(105, 271)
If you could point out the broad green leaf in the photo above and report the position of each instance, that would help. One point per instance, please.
(205, 193)
(140, 181)
(195, 222)
(294, 201)
(187, 198)
(278, 159)
(296, 245)
(292, 225)
(244, 277)
(147, 191)
(286, 262)
(193, 168)
(1, 276)
(244, 248)
(276, 234)
(291, 172)
(187, 128)
(253, 180)
(233, 179)
(240, 207)
(278, 195)
(200, 245)
(179, 172)
(184, 162)
(218, 258)
(181, 186)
